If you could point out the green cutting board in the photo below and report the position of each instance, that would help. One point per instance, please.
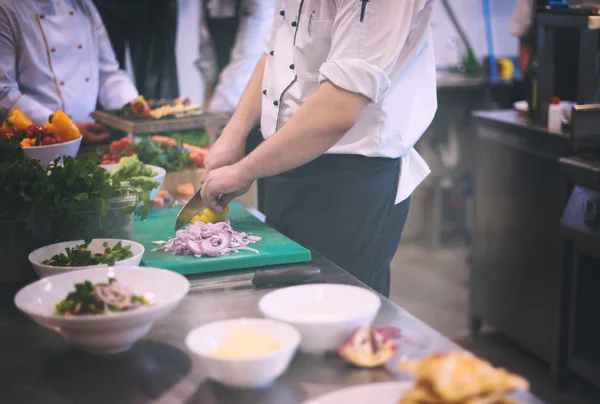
(274, 248)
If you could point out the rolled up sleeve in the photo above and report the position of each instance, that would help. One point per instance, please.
(365, 51)
(116, 86)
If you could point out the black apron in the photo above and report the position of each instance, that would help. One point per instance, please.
(150, 29)
(343, 207)
(223, 32)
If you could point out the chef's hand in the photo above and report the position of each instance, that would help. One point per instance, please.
(93, 132)
(222, 185)
(227, 150)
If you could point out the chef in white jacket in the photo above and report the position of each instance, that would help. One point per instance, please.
(231, 43)
(56, 55)
(344, 90)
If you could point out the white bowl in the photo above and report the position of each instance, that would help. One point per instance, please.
(244, 373)
(47, 154)
(41, 254)
(325, 314)
(104, 333)
(159, 176)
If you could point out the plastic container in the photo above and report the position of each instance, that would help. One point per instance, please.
(555, 115)
(17, 242)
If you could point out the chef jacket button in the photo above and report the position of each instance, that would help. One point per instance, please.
(71, 13)
(62, 83)
(42, 16)
(87, 79)
(292, 66)
(276, 103)
(294, 23)
(53, 50)
(265, 92)
(79, 46)
(282, 13)
(272, 53)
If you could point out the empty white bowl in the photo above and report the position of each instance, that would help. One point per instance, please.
(47, 154)
(104, 333)
(41, 254)
(252, 372)
(159, 176)
(325, 314)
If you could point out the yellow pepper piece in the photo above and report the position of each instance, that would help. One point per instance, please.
(61, 125)
(208, 216)
(27, 142)
(16, 118)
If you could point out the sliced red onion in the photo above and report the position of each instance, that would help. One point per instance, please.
(208, 239)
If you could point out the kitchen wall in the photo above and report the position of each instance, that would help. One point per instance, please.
(468, 12)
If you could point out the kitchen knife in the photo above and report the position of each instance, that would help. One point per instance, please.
(262, 278)
(192, 207)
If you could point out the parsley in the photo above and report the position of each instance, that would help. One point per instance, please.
(32, 194)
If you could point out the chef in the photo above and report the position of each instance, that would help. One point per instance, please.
(344, 91)
(56, 55)
(231, 35)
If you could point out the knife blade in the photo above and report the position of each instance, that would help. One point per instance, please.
(192, 207)
(261, 278)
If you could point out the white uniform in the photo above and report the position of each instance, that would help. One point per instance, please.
(56, 55)
(255, 22)
(380, 49)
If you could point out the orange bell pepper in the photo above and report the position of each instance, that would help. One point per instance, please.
(27, 142)
(16, 118)
(61, 125)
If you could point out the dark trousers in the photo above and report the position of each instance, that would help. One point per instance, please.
(149, 27)
(343, 207)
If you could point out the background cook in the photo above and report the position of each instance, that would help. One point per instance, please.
(56, 55)
(344, 91)
(231, 42)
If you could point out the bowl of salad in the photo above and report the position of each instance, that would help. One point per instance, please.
(103, 310)
(79, 254)
(131, 171)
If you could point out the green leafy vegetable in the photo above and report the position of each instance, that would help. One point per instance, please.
(99, 298)
(30, 193)
(194, 137)
(174, 158)
(130, 167)
(79, 256)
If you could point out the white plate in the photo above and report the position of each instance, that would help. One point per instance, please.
(377, 393)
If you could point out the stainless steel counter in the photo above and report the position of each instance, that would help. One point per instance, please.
(36, 366)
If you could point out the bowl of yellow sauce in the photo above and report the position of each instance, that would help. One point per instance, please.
(244, 353)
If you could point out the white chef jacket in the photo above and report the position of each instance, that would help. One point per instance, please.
(56, 55)
(522, 17)
(385, 54)
(255, 21)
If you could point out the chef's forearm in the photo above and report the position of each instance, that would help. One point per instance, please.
(318, 125)
(247, 113)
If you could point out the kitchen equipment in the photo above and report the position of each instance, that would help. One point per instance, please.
(110, 333)
(262, 278)
(150, 125)
(274, 248)
(566, 37)
(580, 275)
(325, 314)
(192, 207)
(41, 254)
(256, 371)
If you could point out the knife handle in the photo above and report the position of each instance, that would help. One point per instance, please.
(284, 276)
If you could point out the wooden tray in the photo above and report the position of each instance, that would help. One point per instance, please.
(151, 125)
